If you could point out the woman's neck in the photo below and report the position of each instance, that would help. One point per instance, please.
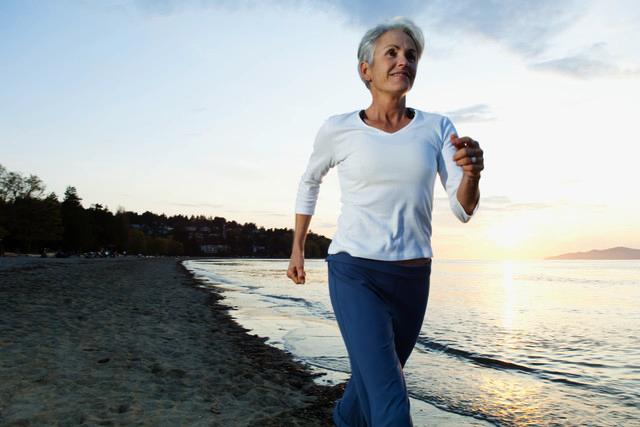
(388, 110)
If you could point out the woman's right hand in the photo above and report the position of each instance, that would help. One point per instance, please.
(296, 267)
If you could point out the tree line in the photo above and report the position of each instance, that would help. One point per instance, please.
(32, 221)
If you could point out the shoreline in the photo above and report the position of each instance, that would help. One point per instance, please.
(140, 341)
(265, 355)
(423, 413)
(115, 341)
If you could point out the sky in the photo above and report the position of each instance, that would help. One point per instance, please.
(211, 108)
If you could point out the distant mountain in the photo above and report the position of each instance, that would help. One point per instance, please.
(612, 253)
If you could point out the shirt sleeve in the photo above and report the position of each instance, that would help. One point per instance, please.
(450, 173)
(321, 160)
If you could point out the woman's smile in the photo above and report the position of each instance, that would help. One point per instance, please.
(401, 74)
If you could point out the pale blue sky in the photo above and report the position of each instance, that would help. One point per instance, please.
(205, 107)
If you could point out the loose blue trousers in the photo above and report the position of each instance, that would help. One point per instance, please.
(379, 307)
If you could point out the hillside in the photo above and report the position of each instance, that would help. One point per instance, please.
(611, 253)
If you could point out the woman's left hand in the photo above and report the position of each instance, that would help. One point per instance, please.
(469, 155)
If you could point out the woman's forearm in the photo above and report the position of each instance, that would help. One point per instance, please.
(469, 193)
(300, 234)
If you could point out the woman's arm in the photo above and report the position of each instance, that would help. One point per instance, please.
(471, 158)
(456, 173)
(296, 264)
(469, 193)
(320, 161)
(300, 234)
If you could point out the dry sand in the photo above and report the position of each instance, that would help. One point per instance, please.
(133, 341)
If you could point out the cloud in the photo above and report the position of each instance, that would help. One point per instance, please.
(576, 66)
(526, 206)
(525, 27)
(171, 7)
(257, 212)
(474, 113)
(502, 204)
(528, 28)
(157, 7)
(326, 224)
(589, 63)
(371, 12)
(197, 205)
(496, 199)
(267, 213)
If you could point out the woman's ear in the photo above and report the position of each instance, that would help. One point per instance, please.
(364, 71)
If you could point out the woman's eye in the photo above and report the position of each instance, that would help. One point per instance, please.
(391, 52)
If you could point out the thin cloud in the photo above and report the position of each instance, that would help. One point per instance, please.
(516, 24)
(474, 113)
(504, 205)
(257, 212)
(170, 7)
(371, 12)
(157, 7)
(326, 224)
(576, 66)
(590, 63)
(267, 213)
(500, 204)
(197, 205)
(527, 28)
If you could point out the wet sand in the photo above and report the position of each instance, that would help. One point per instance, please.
(135, 341)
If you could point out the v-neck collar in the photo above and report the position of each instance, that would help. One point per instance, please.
(361, 120)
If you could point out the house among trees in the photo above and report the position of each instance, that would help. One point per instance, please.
(32, 221)
(214, 249)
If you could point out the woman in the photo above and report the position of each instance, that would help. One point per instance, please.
(379, 260)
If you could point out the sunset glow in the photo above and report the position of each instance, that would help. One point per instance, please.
(212, 110)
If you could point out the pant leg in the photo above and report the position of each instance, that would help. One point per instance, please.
(347, 410)
(409, 308)
(361, 303)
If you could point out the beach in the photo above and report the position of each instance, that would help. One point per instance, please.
(136, 341)
(230, 342)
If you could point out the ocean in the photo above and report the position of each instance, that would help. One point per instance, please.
(531, 343)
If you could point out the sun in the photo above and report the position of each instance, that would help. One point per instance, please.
(508, 235)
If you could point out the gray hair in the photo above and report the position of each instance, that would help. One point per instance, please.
(368, 42)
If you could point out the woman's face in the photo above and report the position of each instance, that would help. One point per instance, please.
(395, 63)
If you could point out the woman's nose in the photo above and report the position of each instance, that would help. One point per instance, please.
(402, 60)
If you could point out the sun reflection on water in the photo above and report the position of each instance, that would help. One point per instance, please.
(513, 401)
(510, 294)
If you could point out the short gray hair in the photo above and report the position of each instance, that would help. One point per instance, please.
(368, 42)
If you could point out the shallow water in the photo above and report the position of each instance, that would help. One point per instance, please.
(512, 343)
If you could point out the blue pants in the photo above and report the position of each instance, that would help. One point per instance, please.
(379, 307)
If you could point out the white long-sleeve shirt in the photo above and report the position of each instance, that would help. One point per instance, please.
(386, 182)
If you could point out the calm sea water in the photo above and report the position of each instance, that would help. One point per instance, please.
(512, 343)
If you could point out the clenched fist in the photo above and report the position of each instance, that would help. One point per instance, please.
(296, 268)
(469, 155)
